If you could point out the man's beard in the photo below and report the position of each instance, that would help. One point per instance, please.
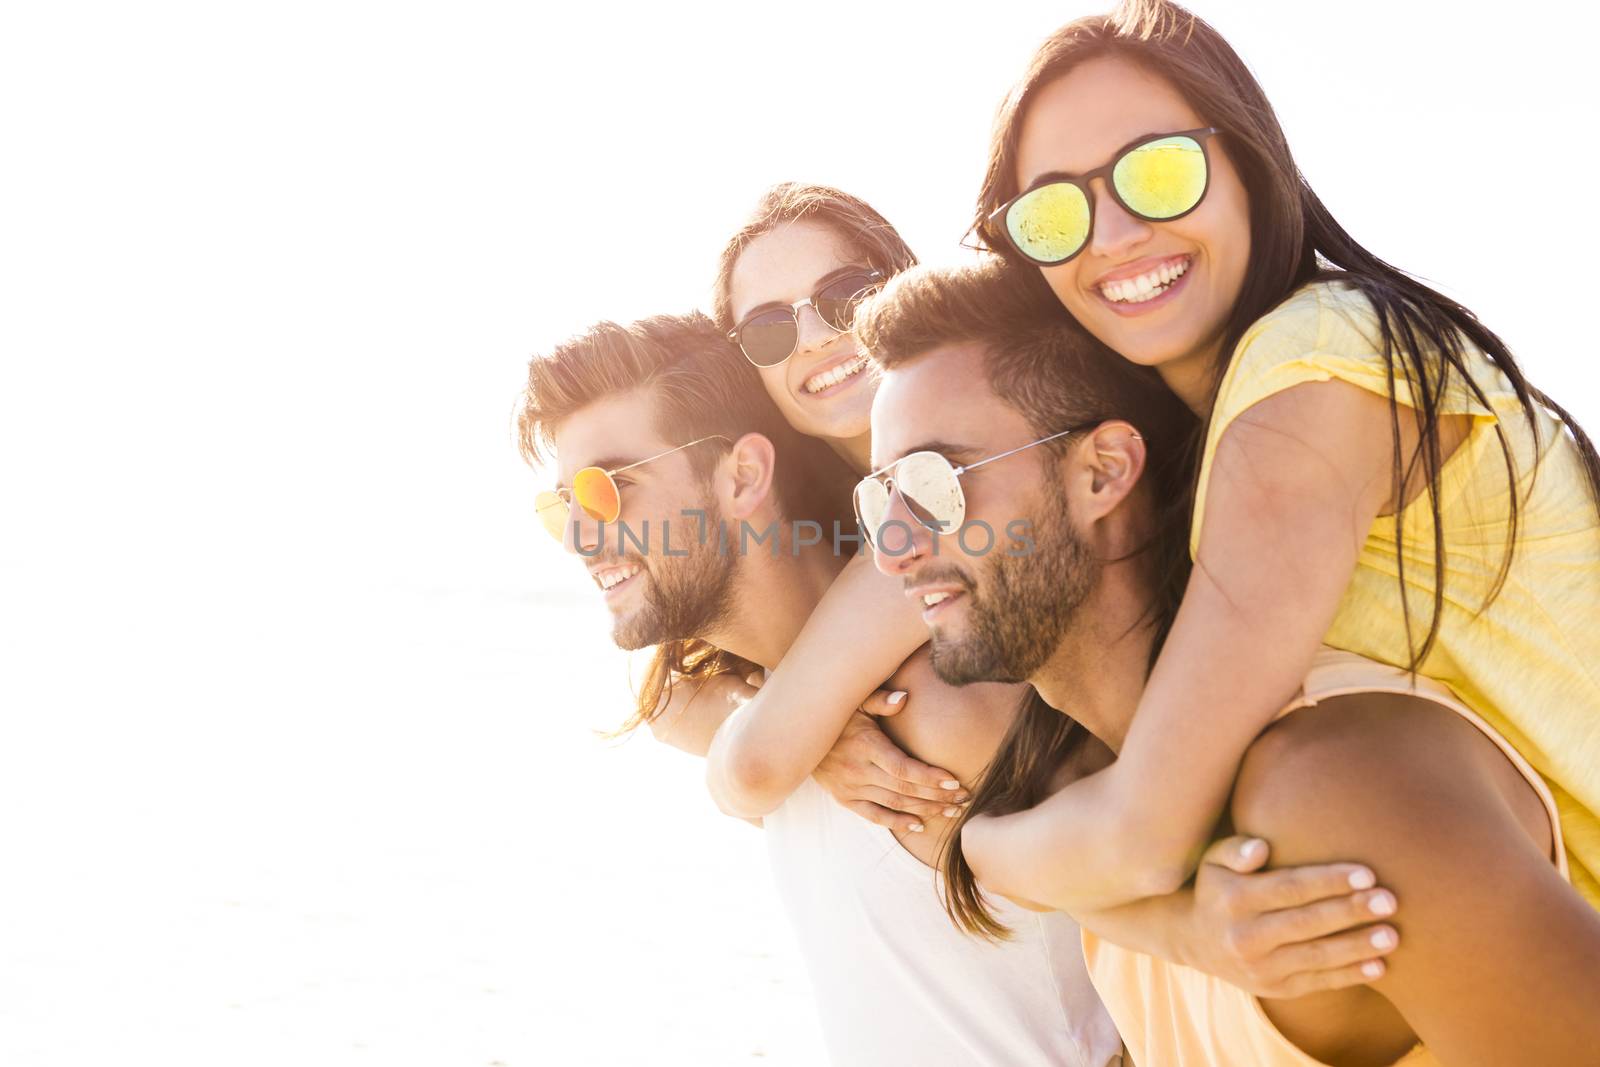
(1027, 602)
(684, 596)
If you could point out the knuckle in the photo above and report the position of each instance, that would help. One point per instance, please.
(1229, 897)
(1299, 885)
(1248, 941)
(1321, 954)
(1234, 940)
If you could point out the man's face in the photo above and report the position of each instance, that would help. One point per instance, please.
(994, 615)
(654, 596)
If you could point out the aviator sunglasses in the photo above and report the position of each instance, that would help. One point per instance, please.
(930, 486)
(1158, 179)
(595, 491)
(769, 335)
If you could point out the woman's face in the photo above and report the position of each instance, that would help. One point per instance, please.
(783, 266)
(1077, 124)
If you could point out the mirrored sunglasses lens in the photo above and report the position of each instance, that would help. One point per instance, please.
(837, 301)
(1051, 223)
(769, 338)
(931, 491)
(1162, 179)
(553, 513)
(872, 504)
(595, 492)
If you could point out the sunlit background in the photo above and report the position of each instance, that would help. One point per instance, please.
(298, 761)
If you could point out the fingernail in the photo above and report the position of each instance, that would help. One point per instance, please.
(1382, 903)
(962, 797)
(1384, 939)
(1252, 848)
(1362, 879)
(916, 828)
(948, 783)
(951, 812)
(1372, 969)
(897, 696)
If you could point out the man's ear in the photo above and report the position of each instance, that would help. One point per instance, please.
(1110, 462)
(745, 479)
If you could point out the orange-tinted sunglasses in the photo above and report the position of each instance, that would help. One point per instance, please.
(593, 490)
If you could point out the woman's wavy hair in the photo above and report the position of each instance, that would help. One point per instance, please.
(1294, 240)
(867, 233)
(702, 386)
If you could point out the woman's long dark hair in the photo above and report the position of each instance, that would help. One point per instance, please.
(1294, 240)
(1040, 740)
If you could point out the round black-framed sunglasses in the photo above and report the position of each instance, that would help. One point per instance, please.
(769, 335)
(1158, 178)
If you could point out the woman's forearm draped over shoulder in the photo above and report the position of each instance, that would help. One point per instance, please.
(860, 632)
(1296, 484)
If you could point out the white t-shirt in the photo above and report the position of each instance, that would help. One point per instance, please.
(897, 983)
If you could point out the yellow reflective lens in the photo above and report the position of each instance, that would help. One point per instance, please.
(1162, 179)
(1051, 223)
(553, 512)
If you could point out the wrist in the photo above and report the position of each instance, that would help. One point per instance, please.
(1180, 928)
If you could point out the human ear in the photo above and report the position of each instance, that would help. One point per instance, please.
(1112, 459)
(745, 479)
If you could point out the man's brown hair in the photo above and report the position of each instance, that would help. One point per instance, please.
(1036, 357)
(701, 385)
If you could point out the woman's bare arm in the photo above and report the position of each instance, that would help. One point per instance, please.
(1296, 484)
(860, 632)
(865, 771)
(694, 709)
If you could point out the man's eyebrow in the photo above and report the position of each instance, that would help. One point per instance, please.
(958, 453)
(605, 463)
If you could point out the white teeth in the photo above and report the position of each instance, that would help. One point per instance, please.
(1146, 286)
(834, 375)
(615, 577)
(935, 598)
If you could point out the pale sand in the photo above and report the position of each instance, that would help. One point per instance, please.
(403, 846)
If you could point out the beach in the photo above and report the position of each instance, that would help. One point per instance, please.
(433, 860)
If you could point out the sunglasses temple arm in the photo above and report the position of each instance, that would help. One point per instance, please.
(1020, 448)
(668, 452)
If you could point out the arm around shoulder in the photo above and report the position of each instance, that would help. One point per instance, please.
(860, 632)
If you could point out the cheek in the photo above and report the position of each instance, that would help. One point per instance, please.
(777, 383)
(1226, 214)
(1063, 281)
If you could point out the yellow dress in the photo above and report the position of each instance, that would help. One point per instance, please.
(1529, 663)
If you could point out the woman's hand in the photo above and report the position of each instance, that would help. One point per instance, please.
(867, 772)
(1287, 932)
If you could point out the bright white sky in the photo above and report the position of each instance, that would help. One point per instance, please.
(270, 273)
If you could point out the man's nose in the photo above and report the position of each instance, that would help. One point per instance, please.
(584, 535)
(900, 541)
